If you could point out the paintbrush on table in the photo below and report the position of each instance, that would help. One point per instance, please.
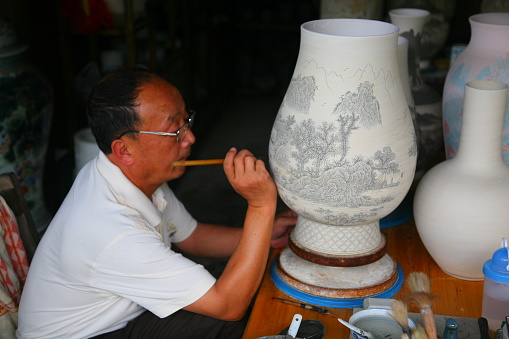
(306, 306)
(198, 162)
(420, 286)
(399, 312)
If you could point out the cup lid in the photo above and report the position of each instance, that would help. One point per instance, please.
(497, 268)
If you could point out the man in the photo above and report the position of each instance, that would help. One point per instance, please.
(105, 266)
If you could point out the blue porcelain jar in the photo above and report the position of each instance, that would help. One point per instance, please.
(26, 106)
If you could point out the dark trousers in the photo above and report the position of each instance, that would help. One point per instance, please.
(181, 325)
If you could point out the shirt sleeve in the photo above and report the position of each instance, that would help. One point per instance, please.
(139, 267)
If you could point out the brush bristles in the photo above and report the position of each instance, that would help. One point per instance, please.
(419, 282)
(421, 299)
(400, 313)
(420, 286)
(419, 333)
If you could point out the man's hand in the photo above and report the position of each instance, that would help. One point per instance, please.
(283, 224)
(233, 291)
(249, 177)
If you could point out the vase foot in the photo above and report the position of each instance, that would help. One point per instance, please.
(340, 287)
(329, 259)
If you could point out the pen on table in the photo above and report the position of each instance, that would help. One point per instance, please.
(306, 306)
(483, 328)
(198, 162)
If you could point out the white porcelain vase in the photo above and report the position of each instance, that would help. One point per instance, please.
(461, 205)
(428, 102)
(342, 147)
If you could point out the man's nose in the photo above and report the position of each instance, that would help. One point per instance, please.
(189, 138)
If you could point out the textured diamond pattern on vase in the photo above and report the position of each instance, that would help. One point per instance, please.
(337, 239)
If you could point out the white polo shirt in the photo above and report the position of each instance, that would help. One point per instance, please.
(106, 258)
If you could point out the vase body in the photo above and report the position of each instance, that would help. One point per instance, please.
(26, 106)
(460, 205)
(405, 81)
(358, 9)
(428, 102)
(486, 57)
(342, 148)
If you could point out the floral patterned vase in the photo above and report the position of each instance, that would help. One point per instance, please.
(343, 155)
(26, 105)
(486, 57)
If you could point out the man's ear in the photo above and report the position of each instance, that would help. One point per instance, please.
(120, 150)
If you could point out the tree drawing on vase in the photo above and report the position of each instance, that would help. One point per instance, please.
(453, 104)
(318, 166)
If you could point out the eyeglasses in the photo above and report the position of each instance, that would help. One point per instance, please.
(180, 133)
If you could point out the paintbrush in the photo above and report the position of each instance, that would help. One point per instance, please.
(198, 162)
(420, 286)
(399, 312)
(306, 306)
(419, 333)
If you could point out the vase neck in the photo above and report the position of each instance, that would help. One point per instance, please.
(490, 32)
(483, 120)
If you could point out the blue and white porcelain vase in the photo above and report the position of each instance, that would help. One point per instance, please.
(343, 155)
(26, 106)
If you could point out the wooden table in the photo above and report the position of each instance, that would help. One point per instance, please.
(455, 297)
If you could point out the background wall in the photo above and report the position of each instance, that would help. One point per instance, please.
(213, 50)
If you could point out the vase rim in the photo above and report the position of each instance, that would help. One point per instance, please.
(495, 18)
(13, 50)
(487, 85)
(410, 12)
(350, 27)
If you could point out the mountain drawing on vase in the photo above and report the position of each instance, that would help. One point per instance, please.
(320, 166)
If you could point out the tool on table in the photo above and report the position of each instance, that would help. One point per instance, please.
(421, 295)
(307, 306)
(483, 328)
(294, 326)
(198, 162)
(357, 330)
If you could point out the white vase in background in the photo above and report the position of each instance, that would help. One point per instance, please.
(343, 155)
(428, 102)
(436, 29)
(461, 205)
(358, 9)
(486, 57)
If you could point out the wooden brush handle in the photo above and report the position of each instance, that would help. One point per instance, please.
(198, 162)
(428, 319)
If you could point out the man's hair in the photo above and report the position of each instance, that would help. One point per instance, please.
(112, 107)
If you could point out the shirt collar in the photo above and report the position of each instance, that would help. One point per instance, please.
(128, 194)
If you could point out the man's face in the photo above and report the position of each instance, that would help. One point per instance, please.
(161, 109)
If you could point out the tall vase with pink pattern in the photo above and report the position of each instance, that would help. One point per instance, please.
(486, 57)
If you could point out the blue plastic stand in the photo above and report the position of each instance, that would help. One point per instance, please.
(401, 214)
(332, 302)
